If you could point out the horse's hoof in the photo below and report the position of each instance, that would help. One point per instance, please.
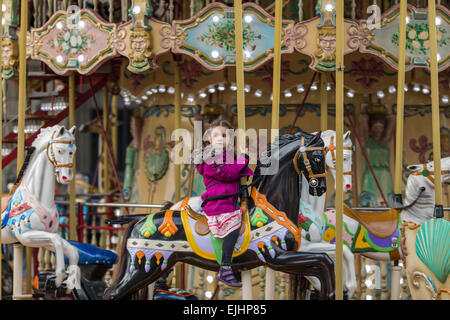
(73, 280)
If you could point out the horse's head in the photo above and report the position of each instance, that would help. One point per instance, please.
(426, 172)
(330, 157)
(61, 152)
(310, 160)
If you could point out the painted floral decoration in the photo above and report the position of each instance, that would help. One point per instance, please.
(72, 42)
(222, 36)
(417, 38)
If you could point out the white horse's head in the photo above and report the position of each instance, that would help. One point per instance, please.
(426, 171)
(329, 138)
(59, 144)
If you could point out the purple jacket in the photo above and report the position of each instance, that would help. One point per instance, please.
(222, 179)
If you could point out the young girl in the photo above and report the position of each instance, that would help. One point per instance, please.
(221, 174)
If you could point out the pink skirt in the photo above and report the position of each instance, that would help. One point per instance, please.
(223, 224)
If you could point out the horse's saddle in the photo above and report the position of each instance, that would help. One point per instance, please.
(382, 224)
(201, 222)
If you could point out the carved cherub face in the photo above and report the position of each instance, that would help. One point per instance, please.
(328, 44)
(140, 45)
(7, 53)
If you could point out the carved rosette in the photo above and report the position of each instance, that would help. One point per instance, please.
(118, 40)
(359, 36)
(295, 36)
(172, 37)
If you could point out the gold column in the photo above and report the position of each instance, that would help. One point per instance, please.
(323, 103)
(72, 192)
(400, 101)
(340, 28)
(177, 167)
(21, 112)
(270, 274)
(276, 70)
(114, 125)
(246, 275)
(435, 103)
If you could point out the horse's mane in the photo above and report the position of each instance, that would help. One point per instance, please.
(38, 143)
(286, 144)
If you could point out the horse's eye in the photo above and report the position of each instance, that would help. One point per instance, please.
(318, 160)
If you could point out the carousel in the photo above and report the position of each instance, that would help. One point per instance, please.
(343, 106)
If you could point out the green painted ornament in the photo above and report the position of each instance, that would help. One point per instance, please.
(149, 227)
(258, 218)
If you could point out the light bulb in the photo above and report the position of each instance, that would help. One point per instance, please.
(416, 88)
(350, 94)
(248, 18)
(426, 90)
(392, 89)
(211, 89)
(171, 90)
(215, 54)
(190, 98)
(202, 94)
(444, 99)
(162, 89)
(380, 94)
(258, 93)
(300, 88)
(247, 88)
(221, 87)
(287, 94)
(314, 86)
(233, 87)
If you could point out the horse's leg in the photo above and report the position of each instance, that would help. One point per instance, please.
(330, 250)
(74, 273)
(318, 265)
(51, 241)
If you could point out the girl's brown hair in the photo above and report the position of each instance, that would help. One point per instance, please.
(221, 123)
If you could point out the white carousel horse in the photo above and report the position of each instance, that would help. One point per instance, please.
(312, 208)
(420, 181)
(31, 217)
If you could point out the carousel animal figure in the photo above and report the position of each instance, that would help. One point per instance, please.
(269, 234)
(311, 216)
(379, 236)
(425, 239)
(29, 213)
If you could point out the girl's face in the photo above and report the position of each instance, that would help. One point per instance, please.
(219, 138)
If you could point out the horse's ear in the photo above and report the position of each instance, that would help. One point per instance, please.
(347, 135)
(72, 130)
(62, 130)
(315, 139)
(414, 167)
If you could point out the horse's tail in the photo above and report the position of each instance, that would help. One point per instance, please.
(119, 271)
(30, 150)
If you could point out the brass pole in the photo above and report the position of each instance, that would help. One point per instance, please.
(246, 275)
(114, 126)
(323, 103)
(72, 191)
(400, 102)
(177, 167)
(435, 104)
(340, 28)
(21, 113)
(270, 274)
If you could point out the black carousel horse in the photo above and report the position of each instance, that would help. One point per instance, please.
(152, 244)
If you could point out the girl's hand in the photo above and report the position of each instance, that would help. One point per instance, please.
(243, 150)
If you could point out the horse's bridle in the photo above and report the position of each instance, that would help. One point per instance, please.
(427, 173)
(51, 154)
(313, 182)
(331, 149)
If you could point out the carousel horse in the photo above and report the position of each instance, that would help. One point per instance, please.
(426, 240)
(379, 236)
(269, 234)
(311, 217)
(30, 216)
